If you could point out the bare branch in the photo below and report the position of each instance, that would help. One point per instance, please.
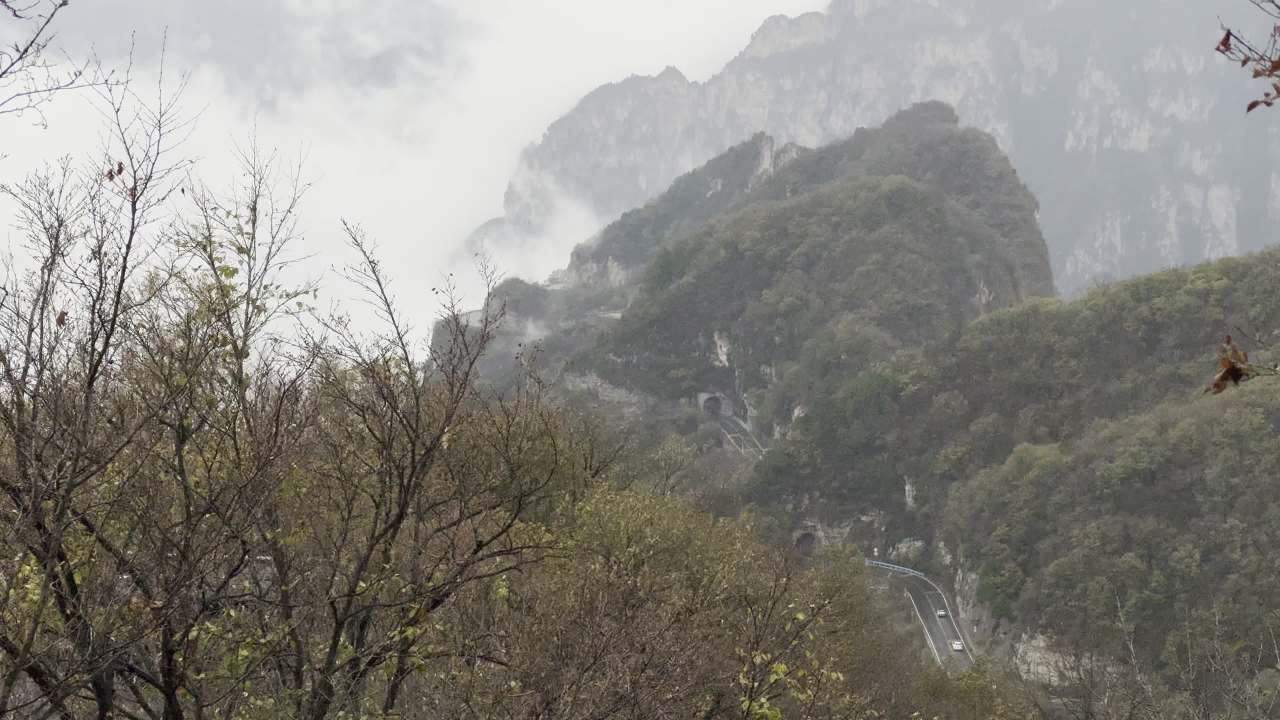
(29, 75)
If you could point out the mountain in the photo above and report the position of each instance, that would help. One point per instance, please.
(1119, 116)
(898, 236)
(880, 311)
(624, 248)
(1060, 461)
(748, 271)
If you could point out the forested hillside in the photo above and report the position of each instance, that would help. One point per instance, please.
(881, 311)
(1069, 457)
(897, 237)
(874, 305)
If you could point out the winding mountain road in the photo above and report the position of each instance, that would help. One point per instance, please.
(941, 632)
(946, 641)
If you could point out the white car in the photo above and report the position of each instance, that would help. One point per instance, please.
(957, 646)
(942, 613)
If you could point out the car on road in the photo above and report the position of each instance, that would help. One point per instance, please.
(957, 645)
(942, 613)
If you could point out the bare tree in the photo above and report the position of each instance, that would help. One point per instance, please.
(1221, 674)
(29, 74)
(65, 405)
(205, 490)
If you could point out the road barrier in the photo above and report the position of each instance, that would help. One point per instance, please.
(897, 568)
(916, 573)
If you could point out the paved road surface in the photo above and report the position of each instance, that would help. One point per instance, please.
(926, 599)
(939, 632)
(740, 438)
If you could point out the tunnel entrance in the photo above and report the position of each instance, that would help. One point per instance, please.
(713, 406)
(805, 543)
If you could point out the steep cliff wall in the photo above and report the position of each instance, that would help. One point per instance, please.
(1119, 116)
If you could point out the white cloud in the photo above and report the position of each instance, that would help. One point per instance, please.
(417, 140)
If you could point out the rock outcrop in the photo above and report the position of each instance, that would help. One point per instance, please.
(1120, 117)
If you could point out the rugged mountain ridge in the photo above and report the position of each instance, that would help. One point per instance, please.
(897, 236)
(1127, 144)
(919, 216)
(625, 247)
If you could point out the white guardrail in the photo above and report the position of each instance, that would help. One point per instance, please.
(916, 573)
(897, 568)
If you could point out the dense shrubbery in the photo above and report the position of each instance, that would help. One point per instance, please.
(1067, 451)
(1148, 538)
(1046, 371)
(892, 239)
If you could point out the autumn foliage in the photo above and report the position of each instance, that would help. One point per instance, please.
(1261, 57)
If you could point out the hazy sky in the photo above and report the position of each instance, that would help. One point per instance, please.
(410, 113)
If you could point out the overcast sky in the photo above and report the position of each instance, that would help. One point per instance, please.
(410, 113)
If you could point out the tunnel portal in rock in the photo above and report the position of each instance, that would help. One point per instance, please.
(713, 405)
(805, 543)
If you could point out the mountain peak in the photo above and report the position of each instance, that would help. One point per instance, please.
(672, 73)
(781, 34)
(856, 8)
(1103, 142)
(931, 112)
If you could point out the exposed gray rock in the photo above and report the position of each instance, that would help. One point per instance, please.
(1117, 114)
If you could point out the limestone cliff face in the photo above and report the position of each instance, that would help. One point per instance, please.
(1118, 115)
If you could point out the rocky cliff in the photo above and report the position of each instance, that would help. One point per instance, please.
(1121, 119)
(818, 264)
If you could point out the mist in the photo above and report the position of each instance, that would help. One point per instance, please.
(668, 359)
(407, 117)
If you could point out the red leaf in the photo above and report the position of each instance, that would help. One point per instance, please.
(1225, 44)
(1253, 106)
